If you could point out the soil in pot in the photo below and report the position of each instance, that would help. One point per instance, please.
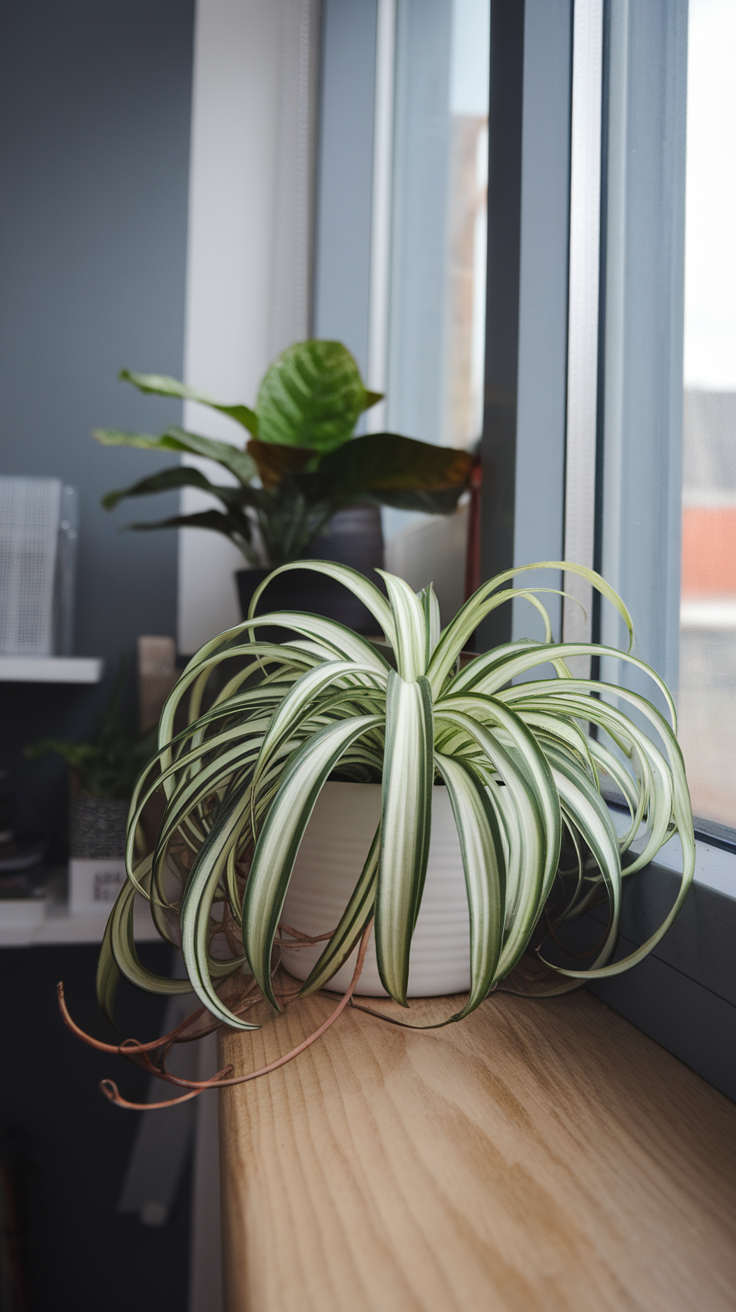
(352, 537)
(327, 868)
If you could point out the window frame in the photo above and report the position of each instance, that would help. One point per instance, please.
(684, 995)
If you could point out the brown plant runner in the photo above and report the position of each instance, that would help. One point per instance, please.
(139, 1052)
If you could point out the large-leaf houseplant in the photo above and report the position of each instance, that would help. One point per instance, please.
(242, 772)
(300, 464)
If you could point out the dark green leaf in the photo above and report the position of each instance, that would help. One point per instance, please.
(388, 463)
(311, 397)
(166, 480)
(233, 458)
(211, 519)
(145, 441)
(276, 462)
(108, 975)
(233, 497)
(371, 399)
(163, 385)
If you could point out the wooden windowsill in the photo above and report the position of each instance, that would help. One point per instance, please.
(538, 1156)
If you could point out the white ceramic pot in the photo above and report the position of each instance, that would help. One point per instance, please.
(330, 860)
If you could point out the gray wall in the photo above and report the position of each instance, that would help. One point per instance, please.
(94, 159)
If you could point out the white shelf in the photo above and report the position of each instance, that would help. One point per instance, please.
(50, 669)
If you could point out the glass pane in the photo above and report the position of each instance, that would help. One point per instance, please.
(438, 246)
(708, 608)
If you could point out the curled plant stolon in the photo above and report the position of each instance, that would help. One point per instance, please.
(254, 729)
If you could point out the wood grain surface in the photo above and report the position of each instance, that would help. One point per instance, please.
(539, 1155)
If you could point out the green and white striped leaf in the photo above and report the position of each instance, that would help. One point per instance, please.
(406, 821)
(584, 806)
(462, 628)
(108, 973)
(485, 874)
(535, 852)
(303, 695)
(532, 760)
(196, 906)
(352, 922)
(411, 625)
(341, 642)
(357, 583)
(121, 943)
(526, 660)
(279, 840)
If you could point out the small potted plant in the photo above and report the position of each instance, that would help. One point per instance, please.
(419, 769)
(104, 772)
(303, 485)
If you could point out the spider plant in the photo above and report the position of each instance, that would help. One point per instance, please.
(523, 764)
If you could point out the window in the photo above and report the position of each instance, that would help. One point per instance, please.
(667, 457)
(707, 697)
(429, 256)
(438, 224)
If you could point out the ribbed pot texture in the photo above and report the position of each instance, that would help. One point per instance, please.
(329, 863)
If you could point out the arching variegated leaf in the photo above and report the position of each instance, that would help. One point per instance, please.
(353, 921)
(120, 942)
(406, 820)
(278, 842)
(357, 583)
(485, 874)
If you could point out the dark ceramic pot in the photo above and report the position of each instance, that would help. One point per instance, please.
(352, 537)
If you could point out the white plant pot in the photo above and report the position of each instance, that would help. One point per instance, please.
(330, 860)
(94, 884)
